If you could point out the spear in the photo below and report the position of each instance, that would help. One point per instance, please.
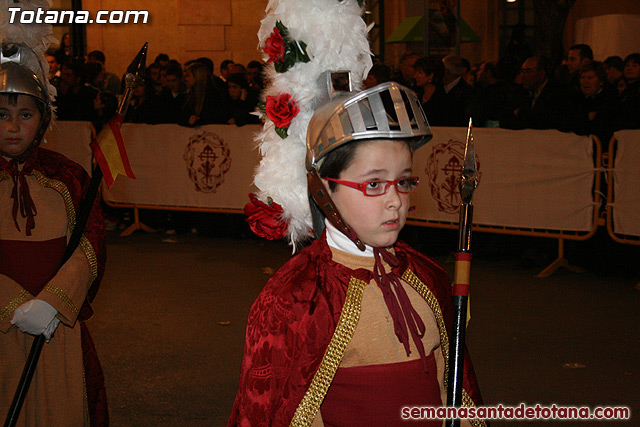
(134, 75)
(468, 184)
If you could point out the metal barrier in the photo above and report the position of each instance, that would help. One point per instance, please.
(612, 174)
(237, 143)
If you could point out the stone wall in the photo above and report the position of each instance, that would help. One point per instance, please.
(184, 29)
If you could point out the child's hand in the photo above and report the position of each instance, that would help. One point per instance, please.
(36, 317)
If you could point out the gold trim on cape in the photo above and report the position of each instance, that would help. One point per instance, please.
(310, 404)
(315, 394)
(417, 284)
(85, 245)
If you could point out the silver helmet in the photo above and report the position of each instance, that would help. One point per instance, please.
(386, 111)
(17, 62)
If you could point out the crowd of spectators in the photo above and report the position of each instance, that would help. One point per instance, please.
(188, 94)
(581, 95)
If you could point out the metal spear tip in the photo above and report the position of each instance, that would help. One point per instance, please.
(139, 62)
(469, 176)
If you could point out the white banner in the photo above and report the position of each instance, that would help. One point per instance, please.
(207, 167)
(528, 179)
(626, 176)
(71, 139)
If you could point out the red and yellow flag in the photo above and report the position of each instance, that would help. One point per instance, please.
(110, 153)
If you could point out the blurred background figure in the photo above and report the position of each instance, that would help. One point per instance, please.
(405, 73)
(239, 104)
(110, 82)
(203, 103)
(428, 76)
(379, 73)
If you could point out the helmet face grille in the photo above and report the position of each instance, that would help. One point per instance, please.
(387, 111)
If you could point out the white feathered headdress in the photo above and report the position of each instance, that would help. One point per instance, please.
(301, 39)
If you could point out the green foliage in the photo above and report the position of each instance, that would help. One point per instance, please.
(282, 133)
(295, 51)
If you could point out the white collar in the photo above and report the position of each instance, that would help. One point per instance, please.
(337, 240)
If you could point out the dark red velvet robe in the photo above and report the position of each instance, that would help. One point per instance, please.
(292, 321)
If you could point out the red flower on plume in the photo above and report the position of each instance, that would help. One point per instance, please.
(281, 110)
(275, 46)
(265, 220)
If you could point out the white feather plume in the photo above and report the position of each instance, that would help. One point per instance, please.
(336, 39)
(36, 36)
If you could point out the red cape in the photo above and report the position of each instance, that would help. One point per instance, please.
(57, 167)
(291, 324)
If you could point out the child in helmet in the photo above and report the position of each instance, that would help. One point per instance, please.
(40, 193)
(353, 330)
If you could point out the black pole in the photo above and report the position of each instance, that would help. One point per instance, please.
(460, 291)
(457, 344)
(25, 381)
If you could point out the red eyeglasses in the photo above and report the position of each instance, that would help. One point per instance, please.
(379, 187)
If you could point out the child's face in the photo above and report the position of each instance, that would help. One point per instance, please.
(376, 220)
(19, 124)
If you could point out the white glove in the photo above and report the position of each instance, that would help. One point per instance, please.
(36, 317)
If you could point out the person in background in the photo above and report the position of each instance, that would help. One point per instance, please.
(577, 56)
(379, 73)
(255, 75)
(162, 59)
(239, 105)
(469, 73)
(54, 67)
(629, 117)
(142, 107)
(458, 93)
(203, 103)
(172, 97)
(494, 99)
(224, 69)
(94, 75)
(153, 80)
(405, 72)
(110, 82)
(105, 104)
(598, 106)
(75, 99)
(548, 104)
(614, 67)
(65, 51)
(428, 75)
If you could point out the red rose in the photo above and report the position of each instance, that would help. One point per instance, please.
(281, 110)
(265, 220)
(275, 46)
